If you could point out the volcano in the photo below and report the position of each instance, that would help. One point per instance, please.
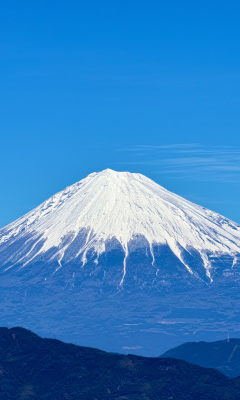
(118, 262)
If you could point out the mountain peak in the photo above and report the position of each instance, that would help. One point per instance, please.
(109, 171)
(118, 175)
(121, 205)
(117, 256)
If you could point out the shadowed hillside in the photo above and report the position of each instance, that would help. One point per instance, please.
(36, 368)
(223, 355)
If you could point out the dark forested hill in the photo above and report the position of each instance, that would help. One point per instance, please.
(223, 355)
(36, 368)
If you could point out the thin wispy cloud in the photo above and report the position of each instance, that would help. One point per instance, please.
(190, 160)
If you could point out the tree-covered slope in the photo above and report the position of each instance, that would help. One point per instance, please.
(36, 368)
(223, 355)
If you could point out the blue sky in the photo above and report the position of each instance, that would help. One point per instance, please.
(150, 87)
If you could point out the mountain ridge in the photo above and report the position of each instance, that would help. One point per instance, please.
(223, 355)
(37, 368)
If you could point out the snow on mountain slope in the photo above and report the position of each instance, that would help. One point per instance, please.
(122, 205)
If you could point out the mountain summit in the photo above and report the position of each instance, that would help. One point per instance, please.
(123, 207)
(117, 262)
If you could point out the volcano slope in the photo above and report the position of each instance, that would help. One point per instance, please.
(36, 368)
(116, 261)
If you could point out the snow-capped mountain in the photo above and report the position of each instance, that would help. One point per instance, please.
(116, 257)
(122, 206)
